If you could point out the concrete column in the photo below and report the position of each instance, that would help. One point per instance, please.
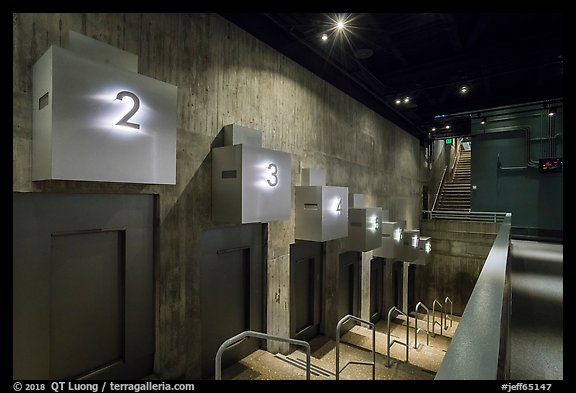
(388, 288)
(405, 287)
(365, 285)
(330, 295)
(278, 315)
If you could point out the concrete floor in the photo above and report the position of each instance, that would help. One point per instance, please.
(537, 311)
(355, 346)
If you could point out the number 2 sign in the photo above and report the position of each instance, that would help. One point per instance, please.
(101, 121)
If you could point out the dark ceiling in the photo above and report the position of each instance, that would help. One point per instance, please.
(503, 59)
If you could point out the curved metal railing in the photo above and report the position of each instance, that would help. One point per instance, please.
(249, 333)
(389, 344)
(445, 316)
(436, 302)
(416, 330)
(345, 319)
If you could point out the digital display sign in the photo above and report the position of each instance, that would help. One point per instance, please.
(550, 165)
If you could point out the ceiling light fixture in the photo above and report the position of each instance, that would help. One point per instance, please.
(483, 121)
(433, 128)
(448, 127)
(406, 100)
(398, 101)
(551, 111)
(463, 89)
(324, 37)
(340, 24)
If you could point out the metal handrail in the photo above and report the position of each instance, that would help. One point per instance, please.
(485, 320)
(439, 189)
(420, 304)
(494, 217)
(249, 333)
(406, 344)
(445, 317)
(345, 319)
(434, 316)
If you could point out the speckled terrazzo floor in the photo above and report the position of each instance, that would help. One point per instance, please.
(355, 346)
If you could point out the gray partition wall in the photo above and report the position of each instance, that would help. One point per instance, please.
(83, 286)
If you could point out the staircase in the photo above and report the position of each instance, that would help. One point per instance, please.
(455, 193)
(355, 345)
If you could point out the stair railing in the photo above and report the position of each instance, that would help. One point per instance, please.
(237, 339)
(445, 316)
(372, 363)
(434, 322)
(416, 329)
(389, 344)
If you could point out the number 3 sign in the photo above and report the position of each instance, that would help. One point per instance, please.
(250, 184)
(97, 119)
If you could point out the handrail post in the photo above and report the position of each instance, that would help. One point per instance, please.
(407, 343)
(345, 319)
(249, 333)
(434, 317)
(451, 314)
(420, 304)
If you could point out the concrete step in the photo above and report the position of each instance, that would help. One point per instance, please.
(426, 357)
(262, 365)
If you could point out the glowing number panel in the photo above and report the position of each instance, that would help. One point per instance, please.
(98, 122)
(250, 184)
(391, 240)
(364, 228)
(321, 213)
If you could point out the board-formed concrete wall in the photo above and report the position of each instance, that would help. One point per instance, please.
(224, 76)
(459, 250)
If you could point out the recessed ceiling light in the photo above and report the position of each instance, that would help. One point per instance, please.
(463, 89)
(324, 37)
(483, 121)
(340, 25)
(551, 112)
(433, 128)
(406, 99)
(448, 126)
(398, 101)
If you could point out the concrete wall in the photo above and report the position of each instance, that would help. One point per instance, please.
(224, 76)
(459, 250)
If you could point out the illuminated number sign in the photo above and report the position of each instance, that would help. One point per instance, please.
(339, 206)
(365, 228)
(273, 176)
(321, 213)
(135, 106)
(250, 184)
(100, 121)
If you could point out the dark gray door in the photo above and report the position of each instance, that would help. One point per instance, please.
(232, 291)
(376, 288)
(83, 286)
(305, 289)
(349, 287)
